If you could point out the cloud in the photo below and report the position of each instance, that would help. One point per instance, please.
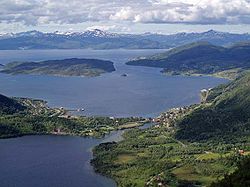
(37, 12)
(126, 13)
(193, 12)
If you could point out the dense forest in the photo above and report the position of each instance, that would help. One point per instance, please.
(225, 116)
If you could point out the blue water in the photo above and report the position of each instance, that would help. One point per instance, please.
(49, 161)
(144, 92)
(43, 161)
(52, 161)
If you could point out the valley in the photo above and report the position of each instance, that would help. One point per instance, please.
(190, 145)
(123, 93)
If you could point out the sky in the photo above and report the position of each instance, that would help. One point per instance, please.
(125, 16)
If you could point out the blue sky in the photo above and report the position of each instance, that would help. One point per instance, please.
(125, 16)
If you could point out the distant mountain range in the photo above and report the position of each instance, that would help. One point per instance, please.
(200, 58)
(98, 39)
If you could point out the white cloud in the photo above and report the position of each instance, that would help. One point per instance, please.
(126, 13)
(37, 12)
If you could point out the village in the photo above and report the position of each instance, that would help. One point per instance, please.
(169, 118)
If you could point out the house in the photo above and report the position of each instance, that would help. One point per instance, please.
(241, 152)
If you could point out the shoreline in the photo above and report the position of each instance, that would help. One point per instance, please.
(173, 115)
(79, 136)
(215, 75)
(67, 114)
(126, 126)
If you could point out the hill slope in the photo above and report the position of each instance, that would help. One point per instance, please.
(241, 177)
(9, 106)
(199, 58)
(225, 116)
(66, 67)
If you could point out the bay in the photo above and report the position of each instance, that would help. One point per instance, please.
(144, 92)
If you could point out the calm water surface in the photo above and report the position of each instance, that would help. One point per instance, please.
(144, 92)
(64, 161)
(42, 161)
(53, 161)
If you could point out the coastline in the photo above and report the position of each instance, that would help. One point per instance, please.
(66, 113)
(57, 75)
(166, 120)
(216, 75)
(76, 134)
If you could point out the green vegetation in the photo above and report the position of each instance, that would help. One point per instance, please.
(201, 58)
(190, 146)
(240, 178)
(9, 106)
(22, 116)
(66, 67)
(152, 156)
(19, 125)
(225, 116)
(131, 125)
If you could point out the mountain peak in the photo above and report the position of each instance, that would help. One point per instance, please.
(97, 38)
(98, 33)
(30, 33)
(213, 32)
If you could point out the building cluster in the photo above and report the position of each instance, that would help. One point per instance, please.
(170, 117)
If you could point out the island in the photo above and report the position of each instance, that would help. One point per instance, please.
(200, 58)
(66, 67)
(197, 145)
(124, 75)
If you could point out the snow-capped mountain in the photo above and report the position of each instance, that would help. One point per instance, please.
(88, 33)
(98, 39)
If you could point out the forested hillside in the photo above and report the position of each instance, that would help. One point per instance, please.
(225, 116)
(200, 58)
(9, 106)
